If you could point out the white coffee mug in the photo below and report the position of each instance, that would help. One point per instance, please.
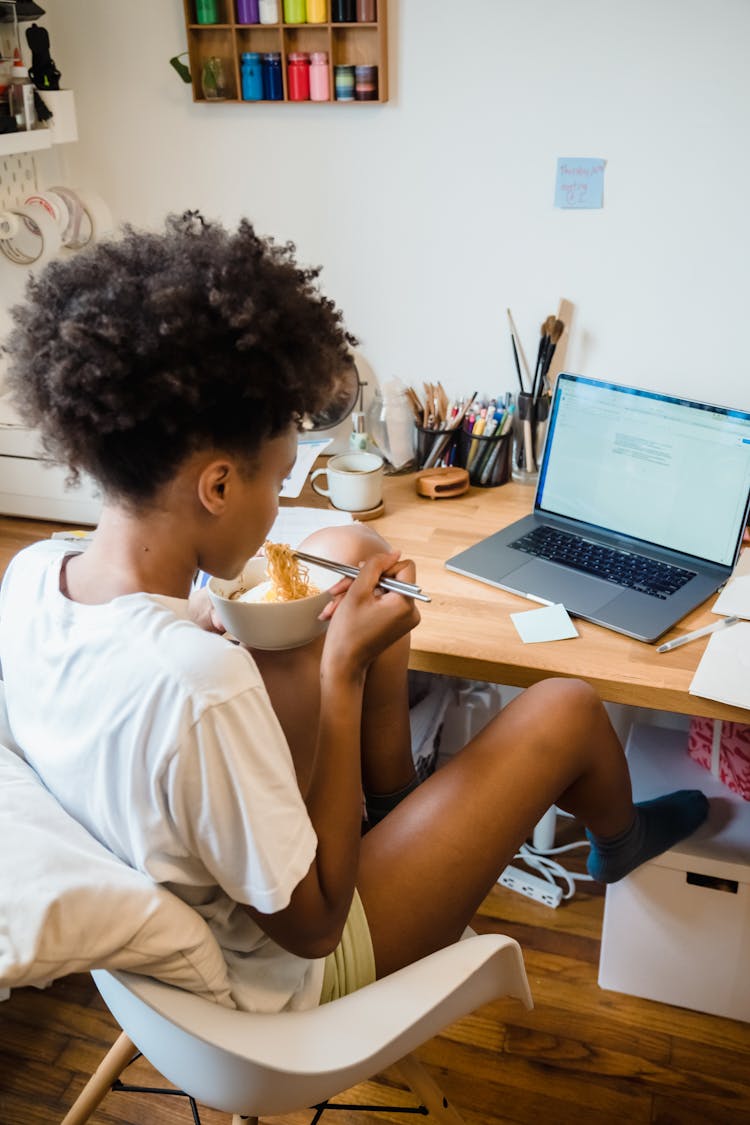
(355, 481)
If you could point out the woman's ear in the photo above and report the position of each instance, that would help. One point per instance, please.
(213, 485)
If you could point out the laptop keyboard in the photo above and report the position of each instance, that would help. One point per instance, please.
(636, 572)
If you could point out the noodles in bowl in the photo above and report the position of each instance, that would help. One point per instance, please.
(276, 601)
(288, 578)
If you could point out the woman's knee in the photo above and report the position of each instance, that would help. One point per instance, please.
(570, 708)
(351, 543)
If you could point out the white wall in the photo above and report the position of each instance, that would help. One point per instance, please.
(433, 213)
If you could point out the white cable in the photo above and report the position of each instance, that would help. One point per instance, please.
(538, 860)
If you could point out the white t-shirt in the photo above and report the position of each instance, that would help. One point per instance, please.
(160, 738)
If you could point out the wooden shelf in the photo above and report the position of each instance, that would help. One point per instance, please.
(347, 44)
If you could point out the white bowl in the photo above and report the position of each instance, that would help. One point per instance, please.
(270, 625)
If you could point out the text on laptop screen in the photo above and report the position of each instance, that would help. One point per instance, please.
(666, 470)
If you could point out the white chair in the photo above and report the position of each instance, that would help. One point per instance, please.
(253, 1065)
(68, 905)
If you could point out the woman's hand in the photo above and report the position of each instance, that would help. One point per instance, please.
(202, 612)
(364, 618)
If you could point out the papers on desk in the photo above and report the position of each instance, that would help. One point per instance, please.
(734, 599)
(724, 670)
(307, 453)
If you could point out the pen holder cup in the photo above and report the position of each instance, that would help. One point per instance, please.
(487, 459)
(433, 447)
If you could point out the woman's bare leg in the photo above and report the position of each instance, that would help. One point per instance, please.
(443, 847)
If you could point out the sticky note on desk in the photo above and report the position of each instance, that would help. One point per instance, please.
(551, 623)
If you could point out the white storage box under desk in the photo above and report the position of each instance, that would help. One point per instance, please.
(678, 929)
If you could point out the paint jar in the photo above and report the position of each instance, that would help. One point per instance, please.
(319, 89)
(268, 11)
(366, 83)
(343, 11)
(206, 11)
(317, 11)
(248, 11)
(252, 76)
(366, 11)
(295, 11)
(343, 83)
(298, 76)
(273, 86)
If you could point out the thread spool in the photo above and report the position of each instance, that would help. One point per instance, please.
(9, 223)
(34, 237)
(89, 217)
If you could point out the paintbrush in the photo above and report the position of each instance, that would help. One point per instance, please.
(541, 355)
(518, 353)
(554, 338)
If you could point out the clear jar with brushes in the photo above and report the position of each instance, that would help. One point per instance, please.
(390, 422)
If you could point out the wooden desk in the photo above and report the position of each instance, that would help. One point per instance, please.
(466, 630)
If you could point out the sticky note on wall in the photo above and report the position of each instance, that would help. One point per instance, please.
(579, 183)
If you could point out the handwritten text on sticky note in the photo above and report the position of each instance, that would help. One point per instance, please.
(579, 183)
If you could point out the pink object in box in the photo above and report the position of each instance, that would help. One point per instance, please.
(724, 749)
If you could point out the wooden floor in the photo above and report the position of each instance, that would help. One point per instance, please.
(582, 1056)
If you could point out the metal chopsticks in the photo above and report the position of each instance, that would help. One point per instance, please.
(408, 589)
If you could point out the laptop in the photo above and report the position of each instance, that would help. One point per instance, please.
(639, 512)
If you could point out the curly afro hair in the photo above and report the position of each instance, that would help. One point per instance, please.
(133, 355)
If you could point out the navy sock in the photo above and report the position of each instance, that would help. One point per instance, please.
(658, 825)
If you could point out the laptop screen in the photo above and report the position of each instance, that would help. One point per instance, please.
(666, 470)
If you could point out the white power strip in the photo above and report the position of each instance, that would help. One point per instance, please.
(531, 886)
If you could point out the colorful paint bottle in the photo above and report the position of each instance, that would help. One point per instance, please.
(298, 76)
(252, 77)
(273, 87)
(319, 88)
(248, 11)
(206, 11)
(295, 11)
(316, 11)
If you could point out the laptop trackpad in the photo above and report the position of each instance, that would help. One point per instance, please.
(579, 593)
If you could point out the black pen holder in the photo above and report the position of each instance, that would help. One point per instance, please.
(433, 447)
(487, 459)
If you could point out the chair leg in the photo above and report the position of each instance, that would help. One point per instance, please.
(100, 1082)
(428, 1092)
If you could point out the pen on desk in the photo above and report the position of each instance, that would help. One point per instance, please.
(698, 633)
